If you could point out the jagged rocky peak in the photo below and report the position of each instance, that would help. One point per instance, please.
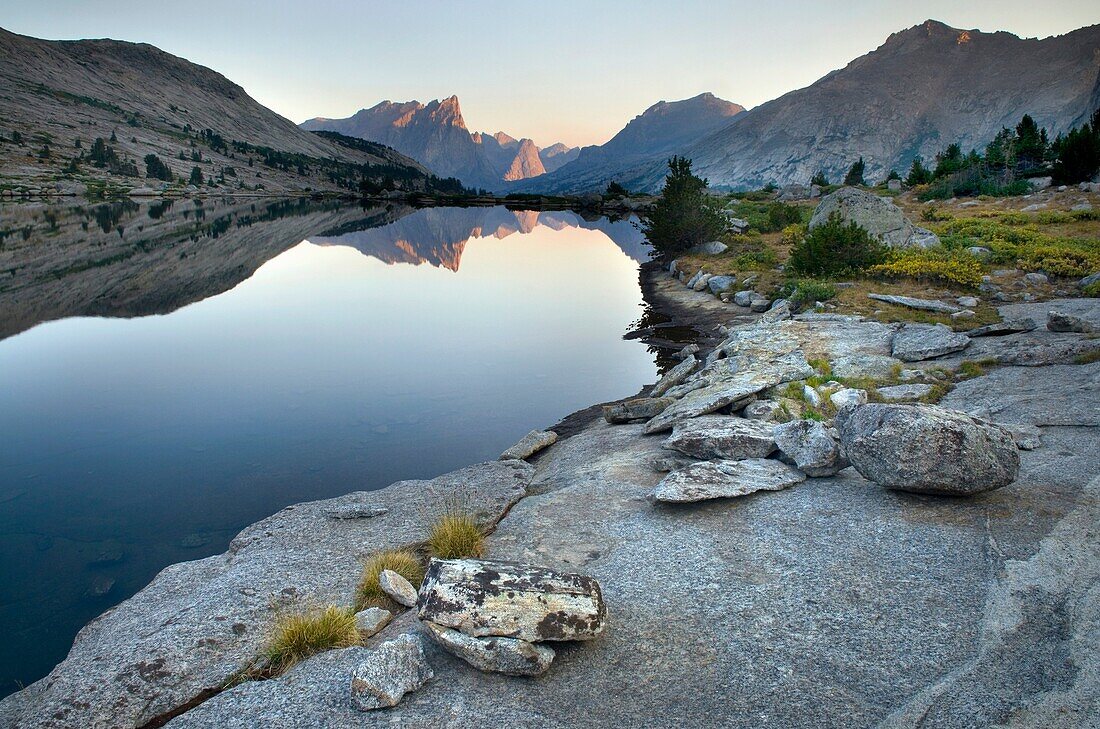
(446, 111)
(526, 163)
(506, 140)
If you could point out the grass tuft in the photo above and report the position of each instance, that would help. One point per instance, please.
(401, 561)
(298, 636)
(456, 534)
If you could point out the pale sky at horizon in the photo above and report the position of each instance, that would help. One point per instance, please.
(574, 72)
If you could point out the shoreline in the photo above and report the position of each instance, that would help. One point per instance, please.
(579, 505)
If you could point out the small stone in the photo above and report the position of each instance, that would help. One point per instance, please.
(701, 282)
(1028, 437)
(810, 446)
(744, 298)
(904, 393)
(760, 305)
(811, 396)
(642, 408)
(509, 656)
(726, 479)
(967, 302)
(964, 314)
(722, 436)
(530, 444)
(397, 587)
(1036, 279)
(768, 410)
(372, 620)
(1058, 321)
(848, 397)
(392, 670)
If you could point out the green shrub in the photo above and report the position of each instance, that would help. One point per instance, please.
(807, 291)
(685, 215)
(298, 636)
(835, 248)
(780, 215)
(1092, 291)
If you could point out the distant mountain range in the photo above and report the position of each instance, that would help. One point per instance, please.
(923, 89)
(435, 135)
(57, 97)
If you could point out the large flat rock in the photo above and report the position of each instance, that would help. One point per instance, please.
(1058, 395)
(200, 622)
(836, 603)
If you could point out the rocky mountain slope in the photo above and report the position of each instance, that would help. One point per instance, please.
(664, 129)
(59, 96)
(435, 134)
(923, 89)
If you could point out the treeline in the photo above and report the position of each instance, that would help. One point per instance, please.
(1014, 156)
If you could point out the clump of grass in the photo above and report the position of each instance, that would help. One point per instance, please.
(298, 636)
(401, 561)
(456, 534)
(1088, 357)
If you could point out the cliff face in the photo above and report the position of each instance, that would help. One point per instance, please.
(56, 93)
(664, 129)
(436, 135)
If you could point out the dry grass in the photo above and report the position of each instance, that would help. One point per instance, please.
(403, 562)
(456, 534)
(298, 636)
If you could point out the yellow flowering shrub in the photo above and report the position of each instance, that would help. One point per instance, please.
(959, 269)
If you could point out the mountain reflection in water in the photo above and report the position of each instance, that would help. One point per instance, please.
(172, 373)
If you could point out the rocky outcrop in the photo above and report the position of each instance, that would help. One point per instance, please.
(880, 217)
(915, 342)
(642, 408)
(198, 623)
(525, 164)
(390, 671)
(927, 449)
(530, 444)
(809, 444)
(722, 436)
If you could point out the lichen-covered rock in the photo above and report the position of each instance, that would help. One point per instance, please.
(915, 342)
(530, 444)
(1059, 321)
(392, 670)
(494, 654)
(904, 393)
(881, 218)
(847, 397)
(641, 408)
(725, 479)
(927, 449)
(941, 307)
(510, 600)
(397, 587)
(809, 445)
(722, 436)
(768, 410)
(675, 376)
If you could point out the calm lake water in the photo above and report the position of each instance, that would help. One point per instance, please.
(170, 374)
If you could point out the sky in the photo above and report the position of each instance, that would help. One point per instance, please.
(574, 71)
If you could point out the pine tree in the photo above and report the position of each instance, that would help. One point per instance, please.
(196, 177)
(685, 215)
(855, 173)
(918, 173)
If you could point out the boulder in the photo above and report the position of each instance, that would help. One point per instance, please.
(675, 376)
(1036, 279)
(1089, 280)
(744, 298)
(701, 282)
(893, 185)
(691, 281)
(1058, 321)
(687, 351)
(493, 654)
(372, 620)
(397, 587)
(1039, 183)
(392, 670)
(530, 444)
(793, 192)
(915, 342)
(904, 393)
(642, 408)
(760, 304)
(725, 479)
(847, 397)
(711, 248)
(914, 303)
(809, 445)
(927, 449)
(779, 310)
(722, 436)
(720, 284)
(511, 600)
(881, 218)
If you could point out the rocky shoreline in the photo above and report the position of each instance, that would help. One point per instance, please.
(831, 600)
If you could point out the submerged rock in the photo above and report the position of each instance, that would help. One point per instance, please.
(510, 656)
(722, 436)
(927, 449)
(915, 342)
(726, 479)
(511, 600)
(390, 671)
(530, 444)
(809, 445)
